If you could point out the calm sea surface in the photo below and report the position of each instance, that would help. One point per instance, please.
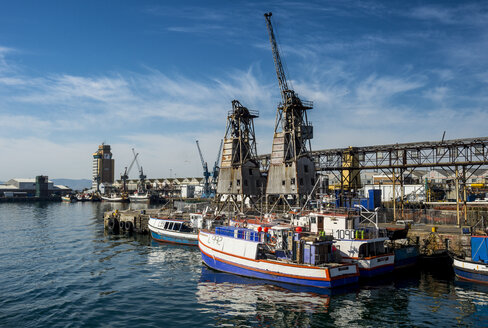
(58, 268)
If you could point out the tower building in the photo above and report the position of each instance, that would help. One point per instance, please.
(103, 167)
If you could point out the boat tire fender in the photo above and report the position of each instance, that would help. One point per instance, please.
(121, 225)
(129, 226)
(110, 224)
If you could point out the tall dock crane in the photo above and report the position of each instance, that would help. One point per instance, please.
(291, 171)
(206, 175)
(125, 176)
(142, 176)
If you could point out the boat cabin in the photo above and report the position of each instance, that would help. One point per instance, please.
(175, 225)
(330, 223)
(357, 248)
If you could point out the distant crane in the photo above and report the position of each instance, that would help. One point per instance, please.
(142, 177)
(206, 175)
(125, 176)
(216, 168)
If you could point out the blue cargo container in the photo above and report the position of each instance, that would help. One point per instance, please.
(374, 200)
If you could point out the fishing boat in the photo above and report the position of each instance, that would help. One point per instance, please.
(140, 197)
(116, 198)
(434, 253)
(475, 267)
(172, 231)
(355, 241)
(248, 253)
(406, 253)
(68, 198)
(178, 231)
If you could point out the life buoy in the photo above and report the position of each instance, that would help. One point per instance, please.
(244, 224)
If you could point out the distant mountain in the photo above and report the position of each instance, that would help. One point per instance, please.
(74, 184)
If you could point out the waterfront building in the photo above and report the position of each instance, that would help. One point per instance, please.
(40, 186)
(103, 167)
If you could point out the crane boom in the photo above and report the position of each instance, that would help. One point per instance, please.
(216, 168)
(133, 161)
(204, 164)
(280, 72)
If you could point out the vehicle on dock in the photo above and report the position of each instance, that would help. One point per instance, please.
(248, 253)
(356, 241)
(475, 267)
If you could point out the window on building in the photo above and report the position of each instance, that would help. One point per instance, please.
(301, 181)
(250, 171)
(305, 168)
(283, 182)
(238, 182)
(292, 181)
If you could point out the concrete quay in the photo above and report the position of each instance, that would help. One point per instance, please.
(433, 237)
(137, 220)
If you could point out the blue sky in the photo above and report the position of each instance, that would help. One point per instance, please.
(157, 75)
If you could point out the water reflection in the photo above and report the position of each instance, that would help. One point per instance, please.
(252, 302)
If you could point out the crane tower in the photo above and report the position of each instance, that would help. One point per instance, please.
(291, 170)
(239, 177)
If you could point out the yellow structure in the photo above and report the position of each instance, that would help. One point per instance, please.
(351, 179)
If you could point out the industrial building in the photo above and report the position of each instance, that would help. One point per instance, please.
(39, 187)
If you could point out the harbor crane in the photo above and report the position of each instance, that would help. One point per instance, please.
(125, 176)
(291, 173)
(206, 175)
(142, 177)
(291, 117)
(216, 168)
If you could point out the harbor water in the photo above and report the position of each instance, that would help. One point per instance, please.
(59, 268)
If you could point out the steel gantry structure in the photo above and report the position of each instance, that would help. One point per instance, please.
(463, 157)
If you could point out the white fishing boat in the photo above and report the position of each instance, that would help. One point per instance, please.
(117, 198)
(140, 197)
(177, 231)
(173, 231)
(247, 253)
